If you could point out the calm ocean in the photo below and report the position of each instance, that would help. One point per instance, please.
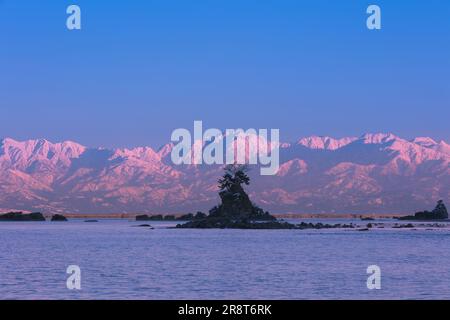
(119, 261)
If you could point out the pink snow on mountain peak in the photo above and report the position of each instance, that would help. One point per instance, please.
(378, 138)
(165, 150)
(443, 147)
(24, 153)
(377, 172)
(141, 153)
(324, 142)
(424, 141)
(429, 143)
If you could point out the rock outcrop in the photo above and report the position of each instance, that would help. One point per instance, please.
(145, 217)
(58, 217)
(236, 211)
(439, 213)
(160, 217)
(19, 216)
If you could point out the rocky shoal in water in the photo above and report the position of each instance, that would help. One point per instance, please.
(35, 216)
(19, 216)
(230, 224)
(221, 223)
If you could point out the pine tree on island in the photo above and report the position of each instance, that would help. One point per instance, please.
(236, 203)
(236, 210)
(440, 211)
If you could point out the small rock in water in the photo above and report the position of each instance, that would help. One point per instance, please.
(58, 217)
(144, 226)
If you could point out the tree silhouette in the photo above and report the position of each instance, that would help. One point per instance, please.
(235, 209)
(440, 211)
(235, 175)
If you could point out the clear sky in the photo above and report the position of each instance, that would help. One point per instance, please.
(139, 69)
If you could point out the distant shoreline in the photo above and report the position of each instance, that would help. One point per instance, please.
(129, 216)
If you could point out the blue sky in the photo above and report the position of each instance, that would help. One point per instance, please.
(139, 69)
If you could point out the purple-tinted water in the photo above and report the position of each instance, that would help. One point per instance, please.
(118, 261)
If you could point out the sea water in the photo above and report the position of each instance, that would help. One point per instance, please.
(121, 261)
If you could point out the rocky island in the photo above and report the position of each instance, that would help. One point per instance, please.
(236, 211)
(58, 218)
(439, 213)
(20, 216)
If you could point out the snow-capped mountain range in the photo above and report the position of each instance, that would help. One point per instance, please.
(374, 173)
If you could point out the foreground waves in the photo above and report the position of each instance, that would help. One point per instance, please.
(121, 262)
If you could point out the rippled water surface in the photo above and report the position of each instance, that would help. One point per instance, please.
(119, 261)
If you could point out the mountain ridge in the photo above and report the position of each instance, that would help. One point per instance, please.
(379, 173)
